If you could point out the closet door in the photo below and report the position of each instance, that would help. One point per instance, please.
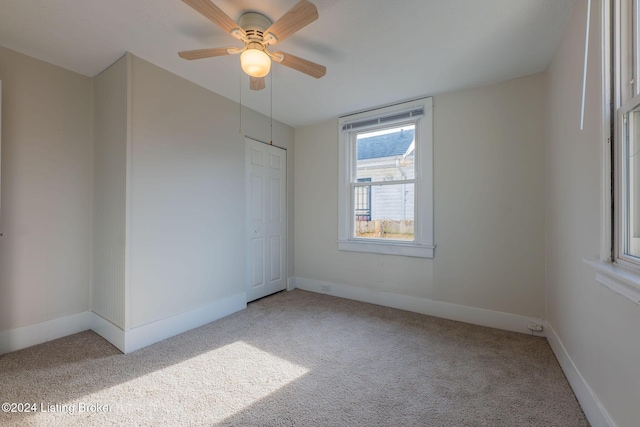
(266, 219)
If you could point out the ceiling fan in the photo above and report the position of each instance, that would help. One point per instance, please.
(257, 32)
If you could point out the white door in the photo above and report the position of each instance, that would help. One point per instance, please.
(266, 190)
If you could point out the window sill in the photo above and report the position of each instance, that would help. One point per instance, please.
(619, 279)
(401, 249)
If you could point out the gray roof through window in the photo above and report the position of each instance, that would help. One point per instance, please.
(391, 144)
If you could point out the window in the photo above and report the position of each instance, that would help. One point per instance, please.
(630, 183)
(619, 267)
(626, 165)
(386, 180)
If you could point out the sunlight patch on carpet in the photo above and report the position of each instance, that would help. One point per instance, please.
(204, 389)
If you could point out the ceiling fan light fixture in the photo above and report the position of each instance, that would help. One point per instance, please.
(255, 62)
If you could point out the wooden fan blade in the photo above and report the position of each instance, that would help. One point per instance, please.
(310, 68)
(213, 13)
(256, 83)
(203, 53)
(300, 15)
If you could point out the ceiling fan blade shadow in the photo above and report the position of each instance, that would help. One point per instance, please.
(299, 16)
(304, 66)
(203, 53)
(256, 83)
(214, 14)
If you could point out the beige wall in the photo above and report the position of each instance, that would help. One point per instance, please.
(111, 89)
(489, 205)
(599, 329)
(489, 197)
(46, 191)
(186, 178)
(187, 193)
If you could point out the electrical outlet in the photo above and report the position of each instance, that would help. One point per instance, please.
(535, 327)
(325, 288)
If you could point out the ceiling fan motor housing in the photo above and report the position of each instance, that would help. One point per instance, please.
(254, 25)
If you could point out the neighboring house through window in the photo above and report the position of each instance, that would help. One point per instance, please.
(386, 174)
(386, 156)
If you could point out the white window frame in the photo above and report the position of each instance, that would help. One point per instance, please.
(422, 245)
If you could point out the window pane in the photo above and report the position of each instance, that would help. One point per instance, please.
(362, 201)
(632, 150)
(386, 155)
(384, 211)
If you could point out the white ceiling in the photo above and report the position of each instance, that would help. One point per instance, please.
(376, 51)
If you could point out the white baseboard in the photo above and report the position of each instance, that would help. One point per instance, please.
(125, 341)
(291, 283)
(142, 336)
(26, 336)
(108, 331)
(461, 313)
(593, 409)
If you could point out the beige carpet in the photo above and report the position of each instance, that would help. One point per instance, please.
(302, 359)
